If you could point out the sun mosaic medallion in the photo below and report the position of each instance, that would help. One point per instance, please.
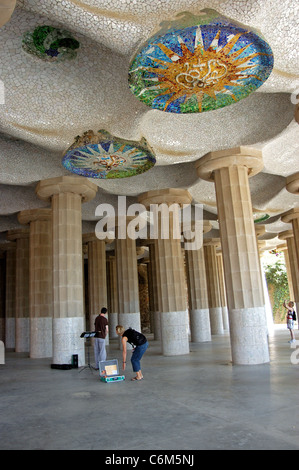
(104, 156)
(199, 67)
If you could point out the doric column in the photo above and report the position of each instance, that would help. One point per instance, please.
(40, 280)
(127, 277)
(97, 277)
(21, 236)
(284, 249)
(112, 296)
(2, 296)
(292, 216)
(222, 289)
(10, 294)
(197, 292)
(214, 297)
(66, 194)
(170, 267)
(153, 291)
(288, 235)
(230, 170)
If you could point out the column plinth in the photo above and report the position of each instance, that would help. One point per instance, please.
(66, 195)
(10, 295)
(230, 170)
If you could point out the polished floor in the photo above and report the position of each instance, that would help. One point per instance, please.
(193, 402)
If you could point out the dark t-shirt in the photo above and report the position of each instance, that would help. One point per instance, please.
(134, 337)
(100, 326)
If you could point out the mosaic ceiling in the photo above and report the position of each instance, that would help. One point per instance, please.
(164, 82)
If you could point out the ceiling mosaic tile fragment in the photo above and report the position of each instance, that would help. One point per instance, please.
(101, 155)
(50, 44)
(260, 217)
(199, 63)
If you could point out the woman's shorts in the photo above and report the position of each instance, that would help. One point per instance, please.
(290, 324)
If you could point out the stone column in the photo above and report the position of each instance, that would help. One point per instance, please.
(230, 170)
(21, 236)
(288, 235)
(153, 291)
(198, 294)
(112, 296)
(127, 277)
(170, 267)
(222, 288)
(66, 194)
(40, 280)
(2, 295)
(292, 216)
(214, 297)
(97, 277)
(284, 249)
(10, 295)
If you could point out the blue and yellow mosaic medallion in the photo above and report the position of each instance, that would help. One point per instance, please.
(104, 156)
(50, 44)
(199, 63)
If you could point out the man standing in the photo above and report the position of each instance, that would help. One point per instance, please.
(101, 328)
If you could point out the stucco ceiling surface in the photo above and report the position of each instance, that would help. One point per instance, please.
(46, 105)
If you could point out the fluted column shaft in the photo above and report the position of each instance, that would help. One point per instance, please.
(127, 282)
(170, 268)
(112, 296)
(22, 288)
(214, 298)
(40, 280)
(198, 296)
(97, 277)
(288, 235)
(10, 296)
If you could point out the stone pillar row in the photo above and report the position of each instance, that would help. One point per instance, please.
(238, 270)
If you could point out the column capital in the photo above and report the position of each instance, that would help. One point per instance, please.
(31, 215)
(285, 235)
(66, 184)
(212, 242)
(240, 156)
(165, 196)
(17, 234)
(6, 246)
(292, 214)
(292, 183)
(259, 230)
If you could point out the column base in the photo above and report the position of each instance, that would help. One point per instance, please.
(113, 322)
(22, 334)
(67, 341)
(10, 333)
(200, 325)
(216, 320)
(157, 326)
(174, 330)
(249, 336)
(41, 337)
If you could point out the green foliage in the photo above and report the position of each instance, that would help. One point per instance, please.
(277, 277)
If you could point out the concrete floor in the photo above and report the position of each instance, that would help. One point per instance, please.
(194, 402)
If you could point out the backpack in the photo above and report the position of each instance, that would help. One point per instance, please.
(294, 315)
